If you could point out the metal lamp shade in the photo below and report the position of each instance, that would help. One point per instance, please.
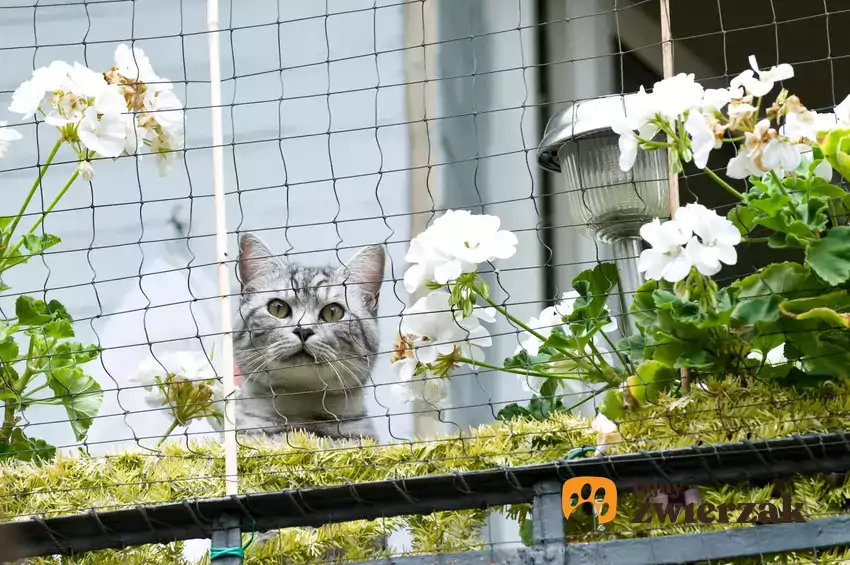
(579, 144)
(613, 204)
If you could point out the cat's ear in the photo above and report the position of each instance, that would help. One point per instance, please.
(255, 258)
(366, 271)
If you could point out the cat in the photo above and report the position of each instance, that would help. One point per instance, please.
(305, 341)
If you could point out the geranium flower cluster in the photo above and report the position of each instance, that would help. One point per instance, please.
(435, 335)
(695, 237)
(455, 244)
(184, 384)
(774, 143)
(105, 114)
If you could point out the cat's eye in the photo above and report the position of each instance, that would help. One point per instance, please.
(279, 309)
(332, 312)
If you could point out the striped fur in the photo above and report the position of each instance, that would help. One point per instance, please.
(315, 385)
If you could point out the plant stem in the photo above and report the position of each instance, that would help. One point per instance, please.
(723, 183)
(504, 313)
(8, 422)
(832, 215)
(619, 355)
(34, 187)
(778, 182)
(523, 372)
(570, 355)
(171, 428)
(608, 378)
(44, 214)
(591, 397)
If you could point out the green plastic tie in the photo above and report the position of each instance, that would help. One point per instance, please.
(219, 552)
(579, 451)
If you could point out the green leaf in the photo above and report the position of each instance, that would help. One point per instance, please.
(744, 218)
(760, 294)
(813, 214)
(765, 309)
(38, 243)
(832, 308)
(634, 346)
(31, 311)
(9, 350)
(526, 532)
(593, 287)
(22, 448)
(523, 360)
(80, 394)
(58, 311)
(59, 329)
(822, 189)
(642, 309)
(834, 148)
(512, 411)
(771, 204)
(613, 404)
(651, 379)
(829, 258)
(695, 358)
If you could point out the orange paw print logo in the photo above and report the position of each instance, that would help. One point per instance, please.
(598, 491)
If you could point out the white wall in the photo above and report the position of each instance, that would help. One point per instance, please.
(129, 290)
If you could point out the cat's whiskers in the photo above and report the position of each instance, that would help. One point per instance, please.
(332, 365)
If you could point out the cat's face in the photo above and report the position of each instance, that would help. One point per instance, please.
(307, 329)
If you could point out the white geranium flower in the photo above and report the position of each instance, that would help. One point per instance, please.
(640, 110)
(607, 433)
(26, 99)
(437, 329)
(757, 82)
(431, 261)
(741, 166)
(714, 99)
(842, 114)
(52, 77)
(543, 324)
(780, 154)
(674, 96)
(716, 238)
(7, 135)
(426, 386)
(190, 365)
(702, 135)
(84, 81)
(104, 126)
(667, 259)
(764, 150)
(454, 244)
(802, 125)
(775, 356)
(548, 319)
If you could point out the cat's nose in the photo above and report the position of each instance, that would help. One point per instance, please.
(303, 333)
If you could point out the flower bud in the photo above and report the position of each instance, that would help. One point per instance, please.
(86, 170)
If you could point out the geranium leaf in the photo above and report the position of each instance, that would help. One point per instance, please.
(832, 308)
(829, 257)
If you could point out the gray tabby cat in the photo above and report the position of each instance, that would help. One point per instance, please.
(305, 342)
